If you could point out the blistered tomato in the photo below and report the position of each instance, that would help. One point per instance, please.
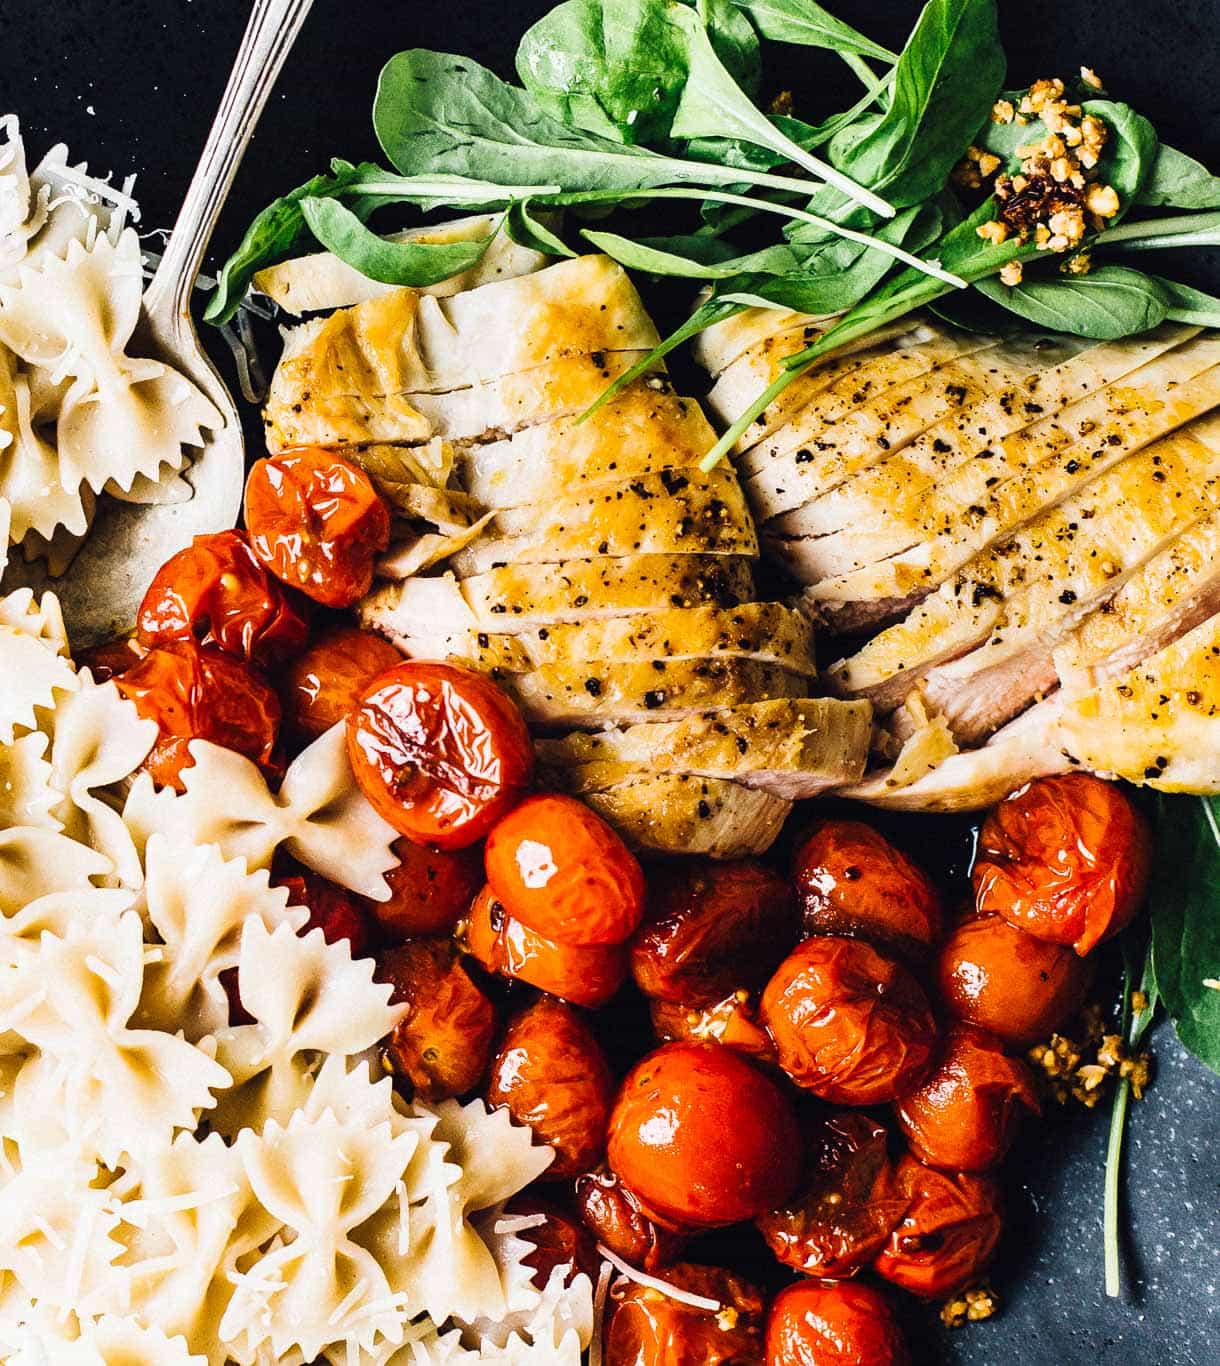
(712, 928)
(196, 692)
(996, 976)
(336, 912)
(558, 1244)
(841, 1323)
(552, 1076)
(850, 1023)
(851, 880)
(430, 890)
(703, 1137)
(442, 1045)
(651, 1329)
(439, 751)
(323, 684)
(847, 1203)
(110, 659)
(732, 1022)
(613, 1215)
(965, 1115)
(560, 870)
(1065, 859)
(216, 592)
(317, 522)
(947, 1236)
(583, 975)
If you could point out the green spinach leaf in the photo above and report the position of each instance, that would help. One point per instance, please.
(1187, 305)
(1179, 182)
(1109, 302)
(807, 24)
(663, 260)
(526, 230)
(1130, 152)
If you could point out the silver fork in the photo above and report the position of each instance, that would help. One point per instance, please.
(128, 542)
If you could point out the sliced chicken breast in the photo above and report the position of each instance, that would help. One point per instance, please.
(718, 346)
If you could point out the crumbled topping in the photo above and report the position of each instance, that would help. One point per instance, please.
(1012, 274)
(1091, 78)
(1002, 111)
(972, 1306)
(1068, 1072)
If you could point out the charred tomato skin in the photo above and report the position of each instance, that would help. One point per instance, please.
(851, 880)
(317, 522)
(442, 1045)
(850, 1023)
(323, 684)
(551, 1075)
(948, 1235)
(703, 1138)
(847, 1203)
(584, 976)
(563, 872)
(833, 1323)
(965, 1114)
(993, 975)
(614, 1217)
(440, 752)
(1065, 859)
(430, 890)
(647, 1328)
(710, 929)
(732, 1023)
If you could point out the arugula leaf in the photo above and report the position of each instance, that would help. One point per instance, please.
(1185, 911)
(807, 24)
(1179, 182)
(1107, 303)
(658, 260)
(527, 231)
(945, 84)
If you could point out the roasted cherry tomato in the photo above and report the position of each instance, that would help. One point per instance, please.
(337, 913)
(317, 522)
(732, 1022)
(439, 751)
(562, 871)
(559, 1242)
(430, 890)
(840, 1323)
(586, 976)
(110, 659)
(847, 1202)
(948, 1234)
(703, 1137)
(196, 692)
(612, 1214)
(851, 880)
(322, 685)
(996, 976)
(551, 1075)
(712, 928)
(216, 592)
(965, 1115)
(648, 1328)
(442, 1045)
(850, 1023)
(1064, 859)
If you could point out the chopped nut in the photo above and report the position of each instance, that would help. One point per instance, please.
(1040, 93)
(1101, 200)
(783, 103)
(1067, 224)
(726, 1319)
(1091, 78)
(972, 1306)
(1093, 134)
(988, 163)
(1012, 274)
(1111, 1051)
(993, 231)
(1139, 1001)
(1002, 111)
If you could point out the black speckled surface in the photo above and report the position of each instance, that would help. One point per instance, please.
(132, 85)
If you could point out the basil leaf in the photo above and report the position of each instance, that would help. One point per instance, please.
(1185, 913)
(527, 231)
(1187, 305)
(807, 24)
(1179, 182)
(656, 260)
(945, 83)
(1109, 302)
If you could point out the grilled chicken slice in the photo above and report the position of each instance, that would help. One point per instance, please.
(531, 596)
(792, 748)
(718, 346)
(675, 814)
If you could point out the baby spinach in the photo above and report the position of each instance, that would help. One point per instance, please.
(1130, 152)
(1179, 182)
(526, 230)
(1107, 303)
(805, 23)
(1187, 305)
(664, 260)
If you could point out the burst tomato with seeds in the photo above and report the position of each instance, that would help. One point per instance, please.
(648, 1328)
(317, 522)
(837, 1323)
(339, 914)
(613, 1215)
(439, 751)
(323, 684)
(563, 872)
(733, 1023)
(430, 890)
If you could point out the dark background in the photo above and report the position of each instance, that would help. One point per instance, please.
(131, 85)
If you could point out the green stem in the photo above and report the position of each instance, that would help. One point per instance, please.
(862, 69)
(1168, 241)
(1176, 226)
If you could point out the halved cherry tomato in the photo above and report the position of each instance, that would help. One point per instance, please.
(847, 1202)
(196, 692)
(703, 1138)
(993, 975)
(732, 1022)
(583, 975)
(840, 1323)
(321, 686)
(851, 1024)
(111, 658)
(711, 929)
(851, 880)
(430, 890)
(965, 1115)
(439, 751)
(552, 1076)
(948, 1234)
(648, 1328)
(317, 522)
(443, 1043)
(563, 872)
(216, 592)
(1065, 859)
(337, 913)
(560, 1242)
(612, 1213)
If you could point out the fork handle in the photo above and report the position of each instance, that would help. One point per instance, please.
(273, 27)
